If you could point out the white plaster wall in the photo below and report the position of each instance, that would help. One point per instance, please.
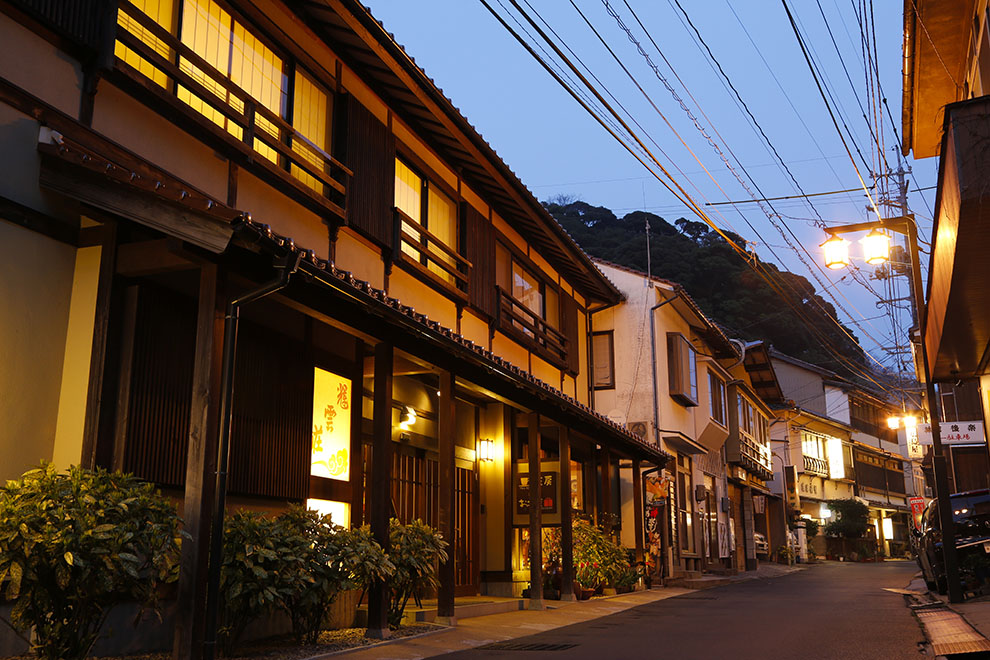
(837, 404)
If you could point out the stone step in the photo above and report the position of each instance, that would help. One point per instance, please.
(470, 609)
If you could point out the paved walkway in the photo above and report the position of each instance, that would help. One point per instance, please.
(477, 631)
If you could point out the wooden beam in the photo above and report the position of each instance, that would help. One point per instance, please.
(357, 442)
(125, 376)
(566, 529)
(97, 364)
(638, 513)
(535, 514)
(381, 467)
(445, 487)
(605, 463)
(204, 427)
(142, 258)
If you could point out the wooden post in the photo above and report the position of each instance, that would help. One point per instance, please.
(566, 531)
(605, 461)
(535, 514)
(95, 419)
(446, 408)
(197, 511)
(638, 512)
(381, 467)
(357, 433)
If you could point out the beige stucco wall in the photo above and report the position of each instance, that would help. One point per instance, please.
(39, 67)
(357, 255)
(78, 353)
(422, 298)
(491, 475)
(35, 287)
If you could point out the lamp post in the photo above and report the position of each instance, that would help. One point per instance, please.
(876, 247)
(783, 506)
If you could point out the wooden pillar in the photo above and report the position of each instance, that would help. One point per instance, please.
(605, 462)
(201, 455)
(445, 486)
(357, 433)
(566, 531)
(638, 512)
(381, 466)
(535, 514)
(95, 418)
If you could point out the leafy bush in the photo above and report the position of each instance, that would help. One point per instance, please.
(72, 546)
(851, 519)
(598, 560)
(416, 549)
(331, 559)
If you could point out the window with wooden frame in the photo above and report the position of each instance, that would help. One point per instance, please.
(223, 70)
(427, 228)
(716, 399)
(529, 305)
(603, 357)
(682, 366)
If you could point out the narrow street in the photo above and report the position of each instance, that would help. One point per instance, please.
(832, 610)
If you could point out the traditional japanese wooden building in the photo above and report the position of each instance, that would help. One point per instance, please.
(418, 348)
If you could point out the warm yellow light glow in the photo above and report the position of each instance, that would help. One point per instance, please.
(888, 528)
(836, 252)
(893, 422)
(331, 426)
(876, 247)
(486, 450)
(339, 512)
(910, 421)
(408, 418)
(824, 511)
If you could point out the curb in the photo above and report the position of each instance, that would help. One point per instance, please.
(384, 642)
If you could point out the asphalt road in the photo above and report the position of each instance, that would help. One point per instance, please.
(834, 610)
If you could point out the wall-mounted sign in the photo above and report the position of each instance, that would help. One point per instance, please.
(548, 493)
(759, 504)
(791, 486)
(954, 433)
(657, 488)
(331, 426)
(914, 448)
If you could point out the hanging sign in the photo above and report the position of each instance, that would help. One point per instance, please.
(331, 426)
(917, 508)
(954, 433)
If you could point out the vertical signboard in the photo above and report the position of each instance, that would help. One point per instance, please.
(331, 426)
(917, 508)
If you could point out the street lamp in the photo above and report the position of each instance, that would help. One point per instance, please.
(874, 250)
(836, 252)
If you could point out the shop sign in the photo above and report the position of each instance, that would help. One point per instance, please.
(331, 426)
(810, 488)
(958, 433)
(790, 484)
(917, 508)
(915, 450)
(759, 504)
(657, 489)
(548, 493)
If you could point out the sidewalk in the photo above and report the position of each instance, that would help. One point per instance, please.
(476, 631)
(950, 629)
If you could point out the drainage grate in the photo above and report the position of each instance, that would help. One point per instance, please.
(524, 646)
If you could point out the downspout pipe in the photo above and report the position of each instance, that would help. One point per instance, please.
(653, 354)
(288, 266)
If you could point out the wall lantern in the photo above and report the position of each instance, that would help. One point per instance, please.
(407, 419)
(486, 450)
(876, 247)
(910, 421)
(836, 252)
(893, 423)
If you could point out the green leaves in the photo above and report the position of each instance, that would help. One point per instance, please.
(73, 545)
(415, 550)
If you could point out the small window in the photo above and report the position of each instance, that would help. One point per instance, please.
(428, 229)
(683, 369)
(716, 398)
(603, 352)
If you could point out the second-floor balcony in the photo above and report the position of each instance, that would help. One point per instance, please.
(518, 320)
(816, 466)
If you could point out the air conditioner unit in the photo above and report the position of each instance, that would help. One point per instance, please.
(638, 428)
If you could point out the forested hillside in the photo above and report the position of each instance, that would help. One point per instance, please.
(725, 287)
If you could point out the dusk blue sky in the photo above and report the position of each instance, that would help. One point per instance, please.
(557, 148)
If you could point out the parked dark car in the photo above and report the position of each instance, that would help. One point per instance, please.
(971, 514)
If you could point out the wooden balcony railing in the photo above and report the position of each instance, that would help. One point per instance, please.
(433, 254)
(259, 127)
(817, 466)
(518, 319)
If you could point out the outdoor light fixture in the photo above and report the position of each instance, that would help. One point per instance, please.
(910, 421)
(893, 423)
(408, 418)
(486, 450)
(836, 252)
(824, 511)
(876, 247)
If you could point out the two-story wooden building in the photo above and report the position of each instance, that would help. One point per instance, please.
(397, 329)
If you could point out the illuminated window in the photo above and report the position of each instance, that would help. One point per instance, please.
(532, 298)
(424, 206)
(339, 512)
(311, 112)
(331, 426)
(160, 11)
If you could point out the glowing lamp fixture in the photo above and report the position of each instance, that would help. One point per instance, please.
(876, 247)
(408, 418)
(887, 525)
(836, 252)
(910, 421)
(486, 450)
(893, 423)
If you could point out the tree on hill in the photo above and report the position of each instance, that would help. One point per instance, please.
(718, 278)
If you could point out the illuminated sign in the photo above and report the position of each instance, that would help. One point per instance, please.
(836, 465)
(331, 426)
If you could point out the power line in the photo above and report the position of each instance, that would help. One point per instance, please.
(773, 199)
